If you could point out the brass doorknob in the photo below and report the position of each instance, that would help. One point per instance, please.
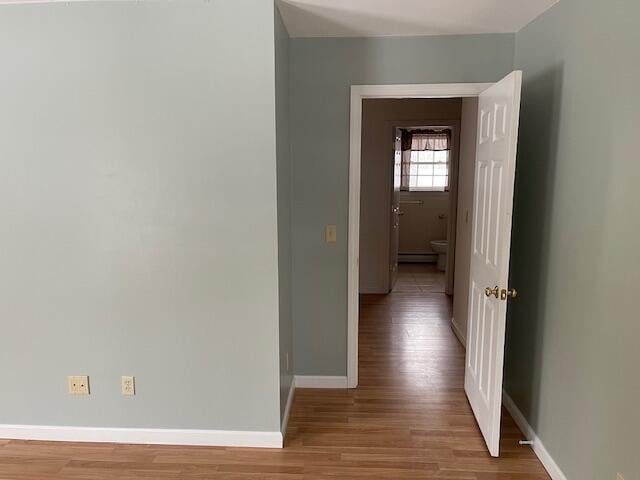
(512, 292)
(492, 291)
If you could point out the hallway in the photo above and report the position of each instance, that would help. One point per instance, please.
(408, 419)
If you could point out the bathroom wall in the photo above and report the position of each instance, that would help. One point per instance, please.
(379, 119)
(421, 224)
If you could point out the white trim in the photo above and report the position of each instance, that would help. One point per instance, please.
(144, 436)
(456, 331)
(358, 94)
(309, 381)
(287, 408)
(430, 90)
(538, 448)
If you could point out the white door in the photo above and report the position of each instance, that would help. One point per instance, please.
(498, 116)
(395, 209)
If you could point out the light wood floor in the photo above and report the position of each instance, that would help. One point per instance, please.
(409, 419)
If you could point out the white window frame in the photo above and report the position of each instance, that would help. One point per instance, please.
(434, 163)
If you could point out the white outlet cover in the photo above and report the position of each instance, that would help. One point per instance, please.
(78, 384)
(128, 384)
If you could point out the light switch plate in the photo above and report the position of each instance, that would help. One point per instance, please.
(78, 384)
(128, 384)
(331, 234)
(619, 476)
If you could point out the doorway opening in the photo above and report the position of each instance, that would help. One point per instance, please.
(379, 180)
(425, 166)
(409, 203)
(488, 222)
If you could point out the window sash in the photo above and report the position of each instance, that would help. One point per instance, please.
(428, 170)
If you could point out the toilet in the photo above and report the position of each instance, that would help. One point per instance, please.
(440, 247)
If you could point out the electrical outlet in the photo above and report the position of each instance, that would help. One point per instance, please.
(619, 476)
(78, 385)
(128, 385)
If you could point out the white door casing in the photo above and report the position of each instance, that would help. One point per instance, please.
(358, 94)
(498, 118)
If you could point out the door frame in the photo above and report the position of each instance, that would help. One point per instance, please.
(358, 94)
(455, 126)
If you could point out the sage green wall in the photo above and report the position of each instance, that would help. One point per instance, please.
(572, 347)
(138, 225)
(284, 208)
(322, 71)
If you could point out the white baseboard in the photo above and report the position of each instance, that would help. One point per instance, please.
(145, 436)
(287, 408)
(307, 381)
(458, 333)
(538, 448)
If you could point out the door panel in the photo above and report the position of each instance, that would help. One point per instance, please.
(498, 118)
(395, 209)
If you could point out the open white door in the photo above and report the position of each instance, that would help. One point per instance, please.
(498, 117)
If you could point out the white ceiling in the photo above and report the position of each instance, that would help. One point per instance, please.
(374, 18)
(379, 18)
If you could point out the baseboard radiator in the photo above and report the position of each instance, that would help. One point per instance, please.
(426, 257)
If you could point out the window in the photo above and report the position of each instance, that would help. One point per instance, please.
(429, 170)
(425, 160)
